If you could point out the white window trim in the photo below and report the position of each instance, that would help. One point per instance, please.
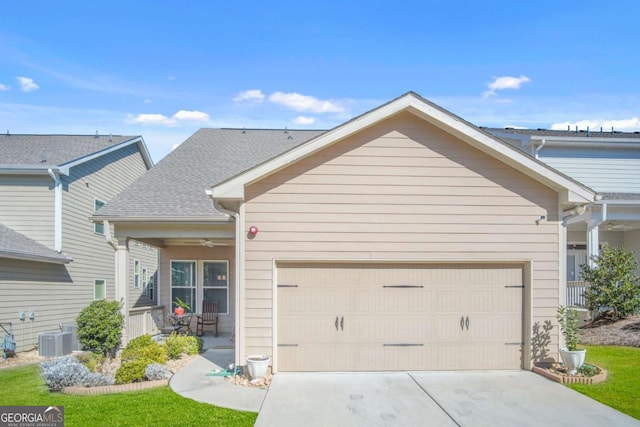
(195, 285)
(94, 289)
(98, 224)
(201, 271)
(136, 285)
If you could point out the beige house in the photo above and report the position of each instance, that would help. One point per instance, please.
(403, 239)
(53, 259)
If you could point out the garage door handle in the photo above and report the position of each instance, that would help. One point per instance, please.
(342, 323)
(462, 323)
(466, 323)
(337, 322)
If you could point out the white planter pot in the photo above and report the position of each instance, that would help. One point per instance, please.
(573, 360)
(258, 366)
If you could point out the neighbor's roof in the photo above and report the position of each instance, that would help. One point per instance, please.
(18, 246)
(565, 133)
(175, 187)
(619, 196)
(22, 151)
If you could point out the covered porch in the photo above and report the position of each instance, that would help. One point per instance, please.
(614, 219)
(196, 264)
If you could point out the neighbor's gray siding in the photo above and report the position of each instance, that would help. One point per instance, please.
(592, 167)
(26, 206)
(26, 286)
(102, 178)
(148, 257)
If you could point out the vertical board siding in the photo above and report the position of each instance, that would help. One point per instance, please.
(26, 206)
(401, 190)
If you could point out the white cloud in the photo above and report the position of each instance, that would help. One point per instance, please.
(27, 84)
(152, 119)
(197, 116)
(251, 95)
(161, 119)
(299, 102)
(148, 101)
(4, 87)
(625, 125)
(302, 120)
(505, 82)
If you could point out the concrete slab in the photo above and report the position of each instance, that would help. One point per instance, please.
(192, 382)
(358, 399)
(515, 398)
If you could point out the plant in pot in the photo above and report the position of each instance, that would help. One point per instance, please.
(181, 306)
(572, 357)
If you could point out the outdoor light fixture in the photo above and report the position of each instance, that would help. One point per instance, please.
(253, 230)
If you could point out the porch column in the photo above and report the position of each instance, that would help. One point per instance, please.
(593, 244)
(121, 294)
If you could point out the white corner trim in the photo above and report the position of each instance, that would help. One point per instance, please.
(57, 209)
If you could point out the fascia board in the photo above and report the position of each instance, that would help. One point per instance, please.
(65, 167)
(38, 258)
(161, 220)
(25, 170)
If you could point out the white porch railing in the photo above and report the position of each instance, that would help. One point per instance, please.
(145, 320)
(575, 294)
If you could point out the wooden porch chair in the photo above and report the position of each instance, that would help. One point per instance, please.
(208, 317)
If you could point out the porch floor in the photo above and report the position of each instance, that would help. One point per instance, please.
(222, 341)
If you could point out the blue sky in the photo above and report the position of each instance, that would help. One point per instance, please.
(164, 69)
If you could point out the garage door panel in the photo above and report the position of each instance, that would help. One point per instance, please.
(399, 316)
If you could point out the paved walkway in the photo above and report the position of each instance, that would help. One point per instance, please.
(192, 382)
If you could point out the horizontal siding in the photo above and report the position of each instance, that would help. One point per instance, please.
(102, 178)
(593, 167)
(148, 257)
(26, 206)
(44, 288)
(402, 190)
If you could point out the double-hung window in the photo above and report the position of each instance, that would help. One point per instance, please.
(136, 273)
(183, 283)
(98, 227)
(215, 284)
(99, 289)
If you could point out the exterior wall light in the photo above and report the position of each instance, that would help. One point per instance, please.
(253, 230)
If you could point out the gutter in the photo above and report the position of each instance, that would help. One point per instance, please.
(57, 208)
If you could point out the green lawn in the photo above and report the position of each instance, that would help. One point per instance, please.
(621, 390)
(160, 406)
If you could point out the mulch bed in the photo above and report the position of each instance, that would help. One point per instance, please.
(606, 331)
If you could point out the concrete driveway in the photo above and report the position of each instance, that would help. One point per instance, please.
(487, 398)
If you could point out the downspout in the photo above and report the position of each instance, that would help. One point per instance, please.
(239, 264)
(57, 210)
(107, 235)
(538, 148)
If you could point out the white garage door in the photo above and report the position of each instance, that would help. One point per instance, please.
(378, 317)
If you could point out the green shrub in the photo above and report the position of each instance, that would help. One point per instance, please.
(143, 347)
(176, 344)
(132, 371)
(613, 282)
(91, 360)
(100, 326)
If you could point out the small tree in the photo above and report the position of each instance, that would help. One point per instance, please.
(613, 282)
(100, 326)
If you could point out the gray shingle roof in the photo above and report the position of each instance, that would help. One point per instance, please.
(564, 133)
(620, 196)
(175, 187)
(52, 150)
(17, 245)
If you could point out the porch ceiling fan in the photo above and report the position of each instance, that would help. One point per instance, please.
(210, 243)
(611, 226)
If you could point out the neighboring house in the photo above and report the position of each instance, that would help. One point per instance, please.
(53, 259)
(607, 162)
(403, 239)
